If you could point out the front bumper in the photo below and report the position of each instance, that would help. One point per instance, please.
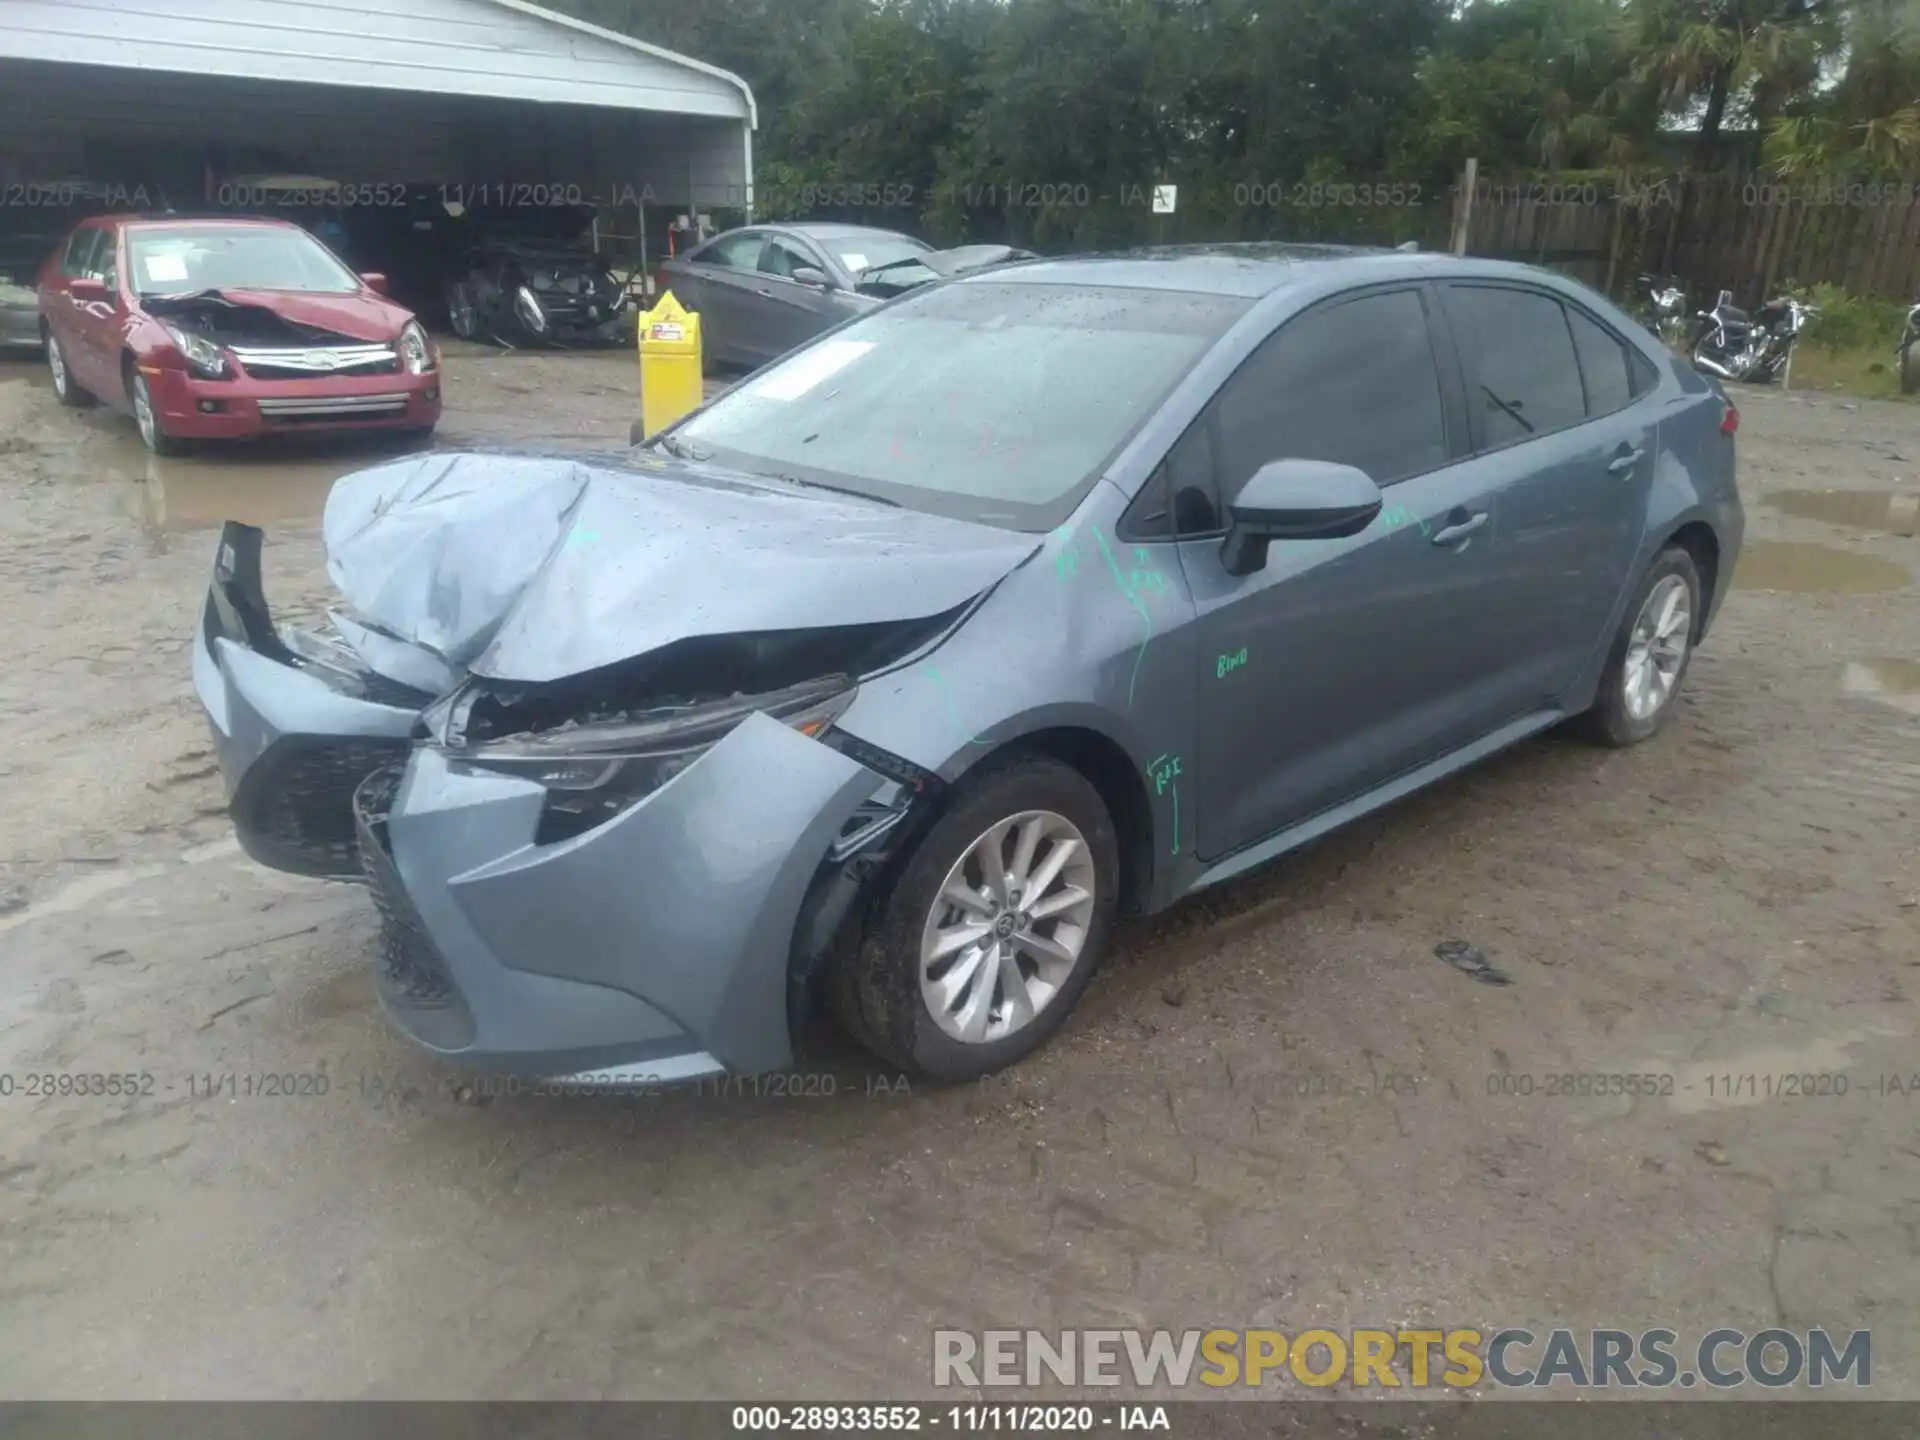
(244, 408)
(654, 947)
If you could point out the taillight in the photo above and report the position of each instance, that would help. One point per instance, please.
(1730, 421)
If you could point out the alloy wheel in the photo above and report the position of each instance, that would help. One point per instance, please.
(460, 310)
(1008, 927)
(57, 363)
(1657, 647)
(143, 413)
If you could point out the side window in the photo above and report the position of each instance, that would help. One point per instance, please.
(79, 250)
(103, 263)
(1352, 382)
(733, 252)
(1603, 364)
(1181, 497)
(782, 259)
(1641, 373)
(1522, 378)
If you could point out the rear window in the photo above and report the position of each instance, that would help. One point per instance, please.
(1523, 380)
(986, 401)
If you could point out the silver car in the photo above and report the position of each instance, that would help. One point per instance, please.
(764, 289)
(891, 678)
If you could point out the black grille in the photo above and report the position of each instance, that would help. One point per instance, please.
(296, 805)
(411, 972)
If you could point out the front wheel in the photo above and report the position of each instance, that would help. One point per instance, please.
(993, 928)
(1650, 653)
(146, 415)
(1910, 367)
(460, 310)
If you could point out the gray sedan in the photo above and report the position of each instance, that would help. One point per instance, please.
(892, 677)
(762, 290)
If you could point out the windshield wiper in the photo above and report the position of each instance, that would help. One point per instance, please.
(1511, 409)
(839, 490)
(678, 448)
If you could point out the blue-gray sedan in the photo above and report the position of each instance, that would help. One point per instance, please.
(890, 678)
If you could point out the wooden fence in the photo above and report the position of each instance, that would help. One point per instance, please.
(1752, 235)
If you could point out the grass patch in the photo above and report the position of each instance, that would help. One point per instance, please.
(1868, 372)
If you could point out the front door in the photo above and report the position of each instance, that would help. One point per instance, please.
(66, 314)
(789, 313)
(1340, 663)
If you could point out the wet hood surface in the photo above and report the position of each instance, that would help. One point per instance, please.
(366, 317)
(534, 568)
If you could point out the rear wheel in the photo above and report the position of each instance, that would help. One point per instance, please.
(64, 385)
(1649, 656)
(1910, 367)
(992, 930)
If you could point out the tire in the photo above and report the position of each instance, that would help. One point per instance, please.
(877, 984)
(65, 387)
(1909, 368)
(460, 312)
(1619, 716)
(147, 419)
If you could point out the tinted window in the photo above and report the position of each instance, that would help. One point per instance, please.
(79, 249)
(1522, 378)
(1352, 382)
(1644, 376)
(1192, 481)
(1603, 363)
(991, 402)
(782, 258)
(734, 252)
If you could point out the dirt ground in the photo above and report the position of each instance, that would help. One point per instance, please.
(1273, 1108)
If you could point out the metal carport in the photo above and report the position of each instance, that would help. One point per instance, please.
(153, 97)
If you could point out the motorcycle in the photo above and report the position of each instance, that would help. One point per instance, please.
(1663, 309)
(1734, 345)
(1909, 353)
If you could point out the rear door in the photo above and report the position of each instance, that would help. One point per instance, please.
(99, 323)
(64, 317)
(1561, 433)
(1341, 663)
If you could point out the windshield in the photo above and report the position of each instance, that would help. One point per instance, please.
(181, 259)
(985, 401)
(864, 252)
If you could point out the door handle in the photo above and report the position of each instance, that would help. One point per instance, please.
(1623, 464)
(765, 291)
(1455, 534)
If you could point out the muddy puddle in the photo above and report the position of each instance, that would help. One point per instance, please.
(1880, 510)
(1894, 682)
(1801, 567)
(260, 486)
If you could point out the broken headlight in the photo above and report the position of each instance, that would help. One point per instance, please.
(203, 357)
(416, 353)
(593, 770)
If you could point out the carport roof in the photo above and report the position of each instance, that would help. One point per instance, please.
(502, 49)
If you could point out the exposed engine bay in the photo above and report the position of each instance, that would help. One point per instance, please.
(212, 316)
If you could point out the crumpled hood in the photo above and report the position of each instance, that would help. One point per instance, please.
(363, 316)
(537, 567)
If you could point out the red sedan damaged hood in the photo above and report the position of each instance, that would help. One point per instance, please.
(357, 316)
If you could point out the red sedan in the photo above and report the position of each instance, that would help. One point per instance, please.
(229, 329)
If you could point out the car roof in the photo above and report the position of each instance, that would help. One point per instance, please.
(822, 230)
(1249, 270)
(197, 222)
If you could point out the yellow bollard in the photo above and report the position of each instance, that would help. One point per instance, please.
(670, 384)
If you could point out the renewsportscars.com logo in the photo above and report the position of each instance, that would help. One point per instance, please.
(1396, 1359)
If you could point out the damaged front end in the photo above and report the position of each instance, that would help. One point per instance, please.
(638, 866)
(215, 332)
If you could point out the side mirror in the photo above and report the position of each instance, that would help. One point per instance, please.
(1296, 500)
(375, 281)
(810, 275)
(89, 291)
